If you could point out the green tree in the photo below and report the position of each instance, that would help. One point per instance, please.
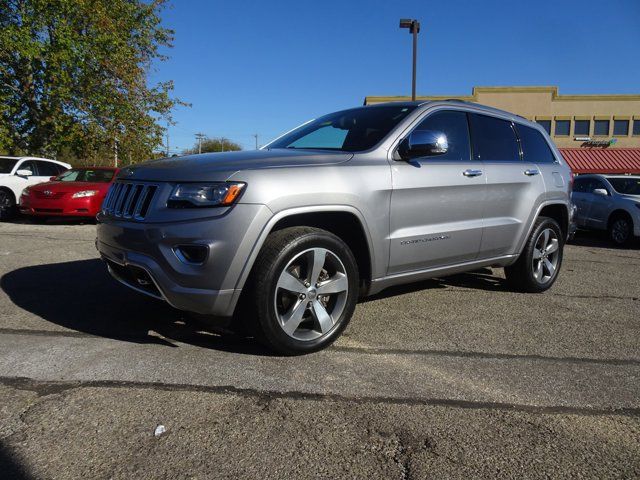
(73, 79)
(218, 144)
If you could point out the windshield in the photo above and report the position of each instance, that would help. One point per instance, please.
(86, 175)
(7, 164)
(626, 186)
(352, 130)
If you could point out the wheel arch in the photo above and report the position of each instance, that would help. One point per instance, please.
(617, 213)
(344, 221)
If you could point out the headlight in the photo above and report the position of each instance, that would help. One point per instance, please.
(26, 192)
(84, 193)
(186, 195)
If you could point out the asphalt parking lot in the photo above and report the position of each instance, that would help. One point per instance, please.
(450, 378)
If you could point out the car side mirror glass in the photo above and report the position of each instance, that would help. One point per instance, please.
(600, 191)
(423, 143)
(24, 173)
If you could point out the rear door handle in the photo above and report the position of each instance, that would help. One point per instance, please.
(531, 172)
(472, 173)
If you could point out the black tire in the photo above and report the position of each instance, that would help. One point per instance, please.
(264, 298)
(7, 205)
(523, 275)
(620, 230)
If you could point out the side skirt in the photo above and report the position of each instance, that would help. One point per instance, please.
(379, 284)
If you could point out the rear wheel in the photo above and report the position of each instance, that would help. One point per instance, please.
(7, 205)
(620, 230)
(303, 290)
(539, 263)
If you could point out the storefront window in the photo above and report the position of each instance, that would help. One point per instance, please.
(581, 127)
(601, 127)
(621, 127)
(563, 127)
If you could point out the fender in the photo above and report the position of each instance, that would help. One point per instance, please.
(546, 203)
(268, 227)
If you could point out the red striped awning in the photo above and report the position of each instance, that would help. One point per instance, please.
(602, 160)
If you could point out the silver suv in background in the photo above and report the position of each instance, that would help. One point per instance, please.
(287, 238)
(609, 202)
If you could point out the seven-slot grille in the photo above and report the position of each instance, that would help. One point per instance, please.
(128, 200)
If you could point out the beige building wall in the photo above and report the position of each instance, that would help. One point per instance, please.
(546, 104)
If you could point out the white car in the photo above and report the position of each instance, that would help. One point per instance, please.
(17, 173)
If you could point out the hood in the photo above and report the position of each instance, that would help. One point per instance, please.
(69, 186)
(220, 166)
(633, 198)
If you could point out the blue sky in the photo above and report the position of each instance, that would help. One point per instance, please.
(266, 66)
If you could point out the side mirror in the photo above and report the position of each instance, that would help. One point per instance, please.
(24, 173)
(601, 191)
(423, 143)
(53, 178)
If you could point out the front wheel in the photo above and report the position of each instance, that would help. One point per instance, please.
(7, 205)
(539, 263)
(620, 231)
(304, 288)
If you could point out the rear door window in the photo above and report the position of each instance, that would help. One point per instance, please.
(493, 139)
(454, 126)
(535, 148)
(47, 169)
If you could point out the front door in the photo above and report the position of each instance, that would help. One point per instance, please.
(437, 201)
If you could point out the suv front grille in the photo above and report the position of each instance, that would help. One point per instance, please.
(129, 200)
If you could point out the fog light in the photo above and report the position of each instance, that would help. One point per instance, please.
(192, 254)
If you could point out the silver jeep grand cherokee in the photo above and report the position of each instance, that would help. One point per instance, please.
(287, 238)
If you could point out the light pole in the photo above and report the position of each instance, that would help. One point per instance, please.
(414, 28)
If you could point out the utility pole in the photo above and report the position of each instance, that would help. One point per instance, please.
(167, 141)
(414, 28)
(115, 151)
(200, 137)
(255, 135)
(222, 143)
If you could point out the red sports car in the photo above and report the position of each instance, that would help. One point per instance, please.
(78, 192)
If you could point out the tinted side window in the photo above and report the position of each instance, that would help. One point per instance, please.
(455, 127)
(580, 185)
(47, 169)
(29, 165)
(493, 139)
(535, 148)
(59, 168)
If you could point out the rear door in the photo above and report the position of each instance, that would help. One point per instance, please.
(599, 205)
(580, 198)
(437, 201)
(514, 187)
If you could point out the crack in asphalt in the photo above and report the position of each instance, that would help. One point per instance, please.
(45, 388)
(362, 350)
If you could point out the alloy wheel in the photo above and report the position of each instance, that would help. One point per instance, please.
(545, 256)
(311, 294)
(620, 231)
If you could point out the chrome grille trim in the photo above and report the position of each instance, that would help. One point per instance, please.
(129, 200)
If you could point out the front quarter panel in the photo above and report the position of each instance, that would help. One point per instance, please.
(361, 186)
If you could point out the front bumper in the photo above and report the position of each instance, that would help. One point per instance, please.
(65, 207)
(142, 256)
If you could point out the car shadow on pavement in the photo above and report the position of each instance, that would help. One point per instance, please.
(82, 296)
(10, 467)
(598, 239)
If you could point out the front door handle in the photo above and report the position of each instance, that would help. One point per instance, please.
(531, 172)
(472, 173)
